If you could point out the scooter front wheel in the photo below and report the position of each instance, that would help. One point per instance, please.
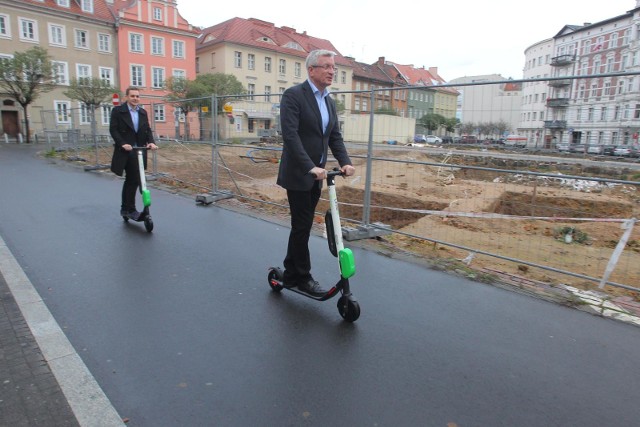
(275, 279)
(348, 308)
(148, 224)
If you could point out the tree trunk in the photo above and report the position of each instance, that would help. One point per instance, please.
(26, 123)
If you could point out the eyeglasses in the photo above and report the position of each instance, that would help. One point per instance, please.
(326, 67)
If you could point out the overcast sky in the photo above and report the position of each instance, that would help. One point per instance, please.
(460, 37)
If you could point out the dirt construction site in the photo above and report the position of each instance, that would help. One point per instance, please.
(456, 212)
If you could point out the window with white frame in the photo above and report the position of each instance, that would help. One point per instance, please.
(251, 89)
(106, 114)
(603, 113)
(62, 112)
(5, 29)
(607, 89)
(104, 42)
(178, 49)
(137, 74)
(237, 59)
(179, 74)
(343, 77)
(159, 114)
(28, 30)
(63, 3)
(157, 77)
(82, 39)
(297, 69)
(157, 46)
(282, 67)
(84, 114)
(613, 40)
(157, 14)
(267, 64)
(106, 75)
(83, 72)
(57, 35)
(86, 5)
(251, 61)
(267, 91)
(60, 72)
(135, 42)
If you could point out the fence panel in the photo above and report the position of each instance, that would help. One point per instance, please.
(494, 208)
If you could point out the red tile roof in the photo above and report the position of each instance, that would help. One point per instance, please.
(101, 10)
(262, 34)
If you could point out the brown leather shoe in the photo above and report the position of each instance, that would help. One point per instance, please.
(312, 288)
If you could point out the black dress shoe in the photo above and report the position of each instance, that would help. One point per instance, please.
(312, 288)
(129, 213)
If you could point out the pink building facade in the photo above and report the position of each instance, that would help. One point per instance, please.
(155, 43)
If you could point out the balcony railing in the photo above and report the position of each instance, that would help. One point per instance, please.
(560, 82)
(562, 60)
(555, 124)
(557, 102)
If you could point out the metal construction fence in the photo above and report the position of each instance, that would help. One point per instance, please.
(529, 212)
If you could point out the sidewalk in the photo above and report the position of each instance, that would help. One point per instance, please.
(29, 392)
(43, 381)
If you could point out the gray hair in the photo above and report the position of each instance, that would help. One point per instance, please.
(312, 58)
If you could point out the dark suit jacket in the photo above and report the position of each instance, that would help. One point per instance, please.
(304, 143)
(122, 132)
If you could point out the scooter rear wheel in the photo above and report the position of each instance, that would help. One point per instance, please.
(348, 308)
(148, 224)
(275, 279)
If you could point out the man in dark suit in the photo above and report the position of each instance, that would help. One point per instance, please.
(129, 127)
(310, 127)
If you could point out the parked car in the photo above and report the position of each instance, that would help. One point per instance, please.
(607, 150)
(595, 149)
(626, 151)
(447, 140)
(432, 139)
(515, 141)
(563, 147)
(578, 148)
(468, 139)
(420, 138)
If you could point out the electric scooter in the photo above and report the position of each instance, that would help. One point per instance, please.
(143, 216)
(348, 307)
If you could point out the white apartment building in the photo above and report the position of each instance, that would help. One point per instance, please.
(534, 95)
(586, 101)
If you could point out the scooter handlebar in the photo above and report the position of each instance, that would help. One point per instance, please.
(335, 172)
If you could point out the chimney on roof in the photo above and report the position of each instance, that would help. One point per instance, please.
(586, 24)
(381, 58)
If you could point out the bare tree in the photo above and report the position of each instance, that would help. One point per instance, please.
(92, 92)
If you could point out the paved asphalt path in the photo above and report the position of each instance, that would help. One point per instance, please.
(180, 328)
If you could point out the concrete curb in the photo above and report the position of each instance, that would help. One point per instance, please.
(87, 400)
